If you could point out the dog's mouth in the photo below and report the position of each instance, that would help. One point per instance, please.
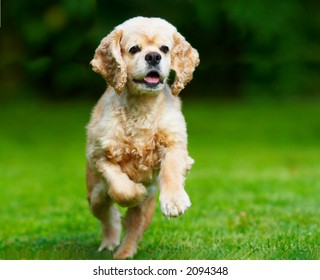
(152, 79)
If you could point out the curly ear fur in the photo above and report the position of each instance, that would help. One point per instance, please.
(184, 59)
(108, 62)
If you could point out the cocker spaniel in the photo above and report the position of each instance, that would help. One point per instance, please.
(136, 138)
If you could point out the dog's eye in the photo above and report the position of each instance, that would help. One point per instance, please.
(164, 49)
(134, 49)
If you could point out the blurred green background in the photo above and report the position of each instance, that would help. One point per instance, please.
(253, 49)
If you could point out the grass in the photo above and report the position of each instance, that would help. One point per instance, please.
(255, 187)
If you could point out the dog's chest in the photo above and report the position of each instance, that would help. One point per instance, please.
(139, 147)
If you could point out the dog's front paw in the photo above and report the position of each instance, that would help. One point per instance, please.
(128, 194)
(174, 204)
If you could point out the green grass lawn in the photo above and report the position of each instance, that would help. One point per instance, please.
(255, 186)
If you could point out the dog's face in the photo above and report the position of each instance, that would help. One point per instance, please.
(140, 53)
(147, 58)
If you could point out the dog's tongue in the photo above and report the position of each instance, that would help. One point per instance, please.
(152, 80)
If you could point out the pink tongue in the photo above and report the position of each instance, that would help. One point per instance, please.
(151, 80)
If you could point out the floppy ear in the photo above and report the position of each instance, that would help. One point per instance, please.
(184, 59)
(108, 62)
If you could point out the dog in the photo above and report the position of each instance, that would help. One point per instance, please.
(136, 138)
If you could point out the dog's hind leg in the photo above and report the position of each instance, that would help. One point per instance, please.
(136, 222)
(103, 209)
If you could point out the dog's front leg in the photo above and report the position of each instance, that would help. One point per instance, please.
(173, 198)
(121, 188)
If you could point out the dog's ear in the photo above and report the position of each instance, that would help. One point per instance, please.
(108, 61)
(184, 59)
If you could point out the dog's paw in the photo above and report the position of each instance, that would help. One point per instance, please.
(174, 204)
(108, 244)
(125, 252)
(128, 194)
(111, 234)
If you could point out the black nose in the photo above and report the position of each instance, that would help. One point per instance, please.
(153, 58)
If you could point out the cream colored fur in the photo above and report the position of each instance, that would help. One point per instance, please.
(136, 138)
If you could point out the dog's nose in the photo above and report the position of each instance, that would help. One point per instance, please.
(153, 58)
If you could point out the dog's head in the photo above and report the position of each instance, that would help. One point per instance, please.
(141, 52)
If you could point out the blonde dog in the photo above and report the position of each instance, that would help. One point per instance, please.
(136, 138)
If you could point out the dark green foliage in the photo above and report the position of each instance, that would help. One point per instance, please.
(245, 46)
